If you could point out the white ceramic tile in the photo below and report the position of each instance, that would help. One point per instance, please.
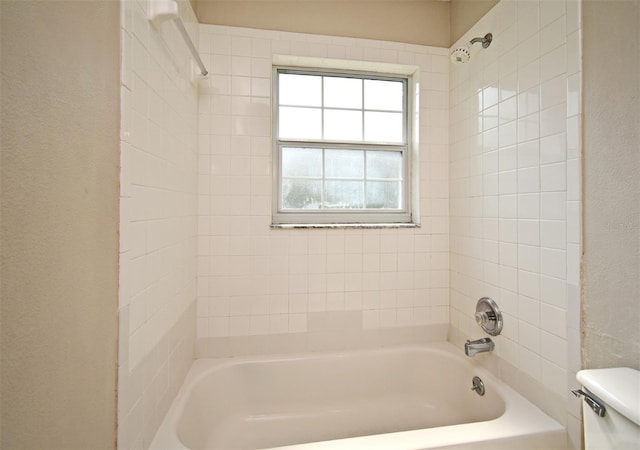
(220, 64)
(553, 63)
(553, 205)
(528, 128)
(528, 154)
(554, 349)
(553, 263)
(529, 101)
(509, 60)
(553, 120)
(258, 325)
(508, 183)
(553, 149)
(508, 254)
(529, 288)
(551, 10)
(507, 14)
(260, 48)
(554, 320)
(553, 92)
(553, 234)
(221, 44)
(529, 363)
(509, 278)
(528, 206)
(573, 52)
(218, 326)
(507, 134)
(528, 18)
(528, 180)
(508, 110)
(529, 50)
(529, 76)
(529, 232)
(553, 177)
(278, 323)
(573, 137)
(554, 377)
(573, 95)
(508, 85)
(552, 35)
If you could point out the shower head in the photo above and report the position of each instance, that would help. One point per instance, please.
(461, 55)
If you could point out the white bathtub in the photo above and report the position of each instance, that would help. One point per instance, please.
(416, 397)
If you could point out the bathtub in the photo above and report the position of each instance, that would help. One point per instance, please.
(414, 397)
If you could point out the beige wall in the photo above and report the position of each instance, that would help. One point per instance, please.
(465, 13)
(423, 22)
(611, 289)
(60, 122)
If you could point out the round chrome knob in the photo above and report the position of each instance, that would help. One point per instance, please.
(488, 316)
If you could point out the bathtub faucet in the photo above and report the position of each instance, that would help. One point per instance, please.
(478, 346)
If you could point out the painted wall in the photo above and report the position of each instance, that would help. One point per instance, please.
(276, 290)
(158, 183)
(415, 22)
(465, 13)
(516, 198)
(59, 128)
(611, 297)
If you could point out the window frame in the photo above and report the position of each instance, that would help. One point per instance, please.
(305, 217)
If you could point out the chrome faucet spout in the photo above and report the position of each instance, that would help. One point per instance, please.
(478, 346)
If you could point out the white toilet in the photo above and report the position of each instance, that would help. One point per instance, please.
(611, 411)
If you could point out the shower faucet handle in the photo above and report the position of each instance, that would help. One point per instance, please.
(485, 317)
(488, 316)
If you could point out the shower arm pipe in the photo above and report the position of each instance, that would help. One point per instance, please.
(486, 40)
(192, 48)
(162, 10)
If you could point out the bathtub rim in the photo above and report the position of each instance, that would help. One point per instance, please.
(519, 415)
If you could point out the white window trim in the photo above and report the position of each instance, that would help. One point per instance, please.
(357, 218)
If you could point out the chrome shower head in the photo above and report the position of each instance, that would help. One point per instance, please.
(461, 55)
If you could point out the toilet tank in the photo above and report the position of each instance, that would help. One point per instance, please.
(618, 390)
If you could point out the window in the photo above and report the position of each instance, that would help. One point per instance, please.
(341, 148)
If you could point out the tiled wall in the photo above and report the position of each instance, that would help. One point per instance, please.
(157, 220)
(262, 289)
(515, 197)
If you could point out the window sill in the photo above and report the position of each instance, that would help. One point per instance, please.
(289, 226)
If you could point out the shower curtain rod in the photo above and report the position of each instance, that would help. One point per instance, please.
(161, 10)
(192, 48)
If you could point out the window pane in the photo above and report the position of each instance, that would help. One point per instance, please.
(301, 194)
(299, 90)
(384, 194)
(384, 95)
(342, 92)
(343, 194)
(344, 163)
(300, 123)
(342, 125)
(341, 140)
(301, 162)
(384, 165)
(383, 127)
